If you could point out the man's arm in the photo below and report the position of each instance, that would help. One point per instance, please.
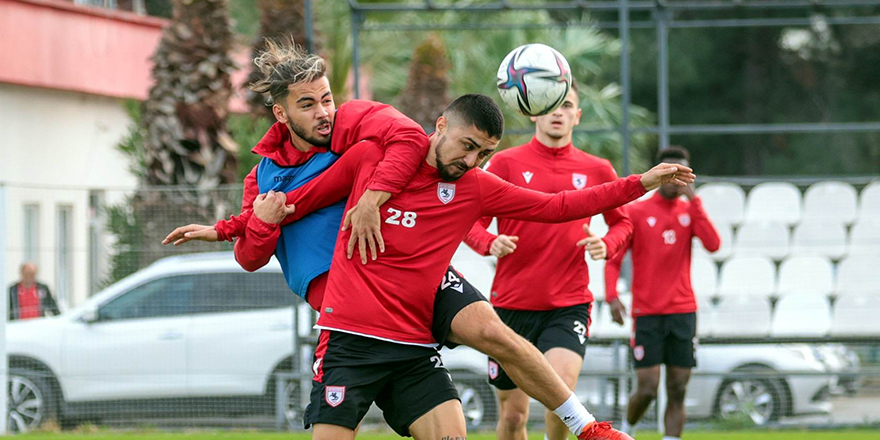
(333, 185)
(51, 305)
(703, 227)
(503, 199)
(612, 274)
(619, 225)
(256, 246)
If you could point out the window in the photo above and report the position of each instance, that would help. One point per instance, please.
(32, 233)
(64, 254)
(235, 292)
(171, 296)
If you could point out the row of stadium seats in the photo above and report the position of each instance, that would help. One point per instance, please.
(806, 315)
(811, 237)
(757, 276)
(780, 202)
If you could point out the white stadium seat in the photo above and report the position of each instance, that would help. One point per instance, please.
(480, 273)
(775, 202)
(705, 316)
(769, 239)
(806, 275)
(607, 328)
(724, 202)
(856, 315)
(597, 278)
(869, 201)
(742, 316)
(747, 276)
(704, 277)
(725, 232)
(857, 274)
(595, 310)
(864, 237)
(802, 315)
(817, 237)
(831, 201)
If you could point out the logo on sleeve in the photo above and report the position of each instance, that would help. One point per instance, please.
(652, 221)
(334, 396)
(578, 180)
(445, 192)
(528, 176)
(684, 219)
(493, 370)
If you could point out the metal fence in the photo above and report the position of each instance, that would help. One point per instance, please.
(151, 336)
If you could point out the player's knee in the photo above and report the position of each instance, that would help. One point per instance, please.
(498, 339)
(513, 419)
(676, 392)
(647, 390)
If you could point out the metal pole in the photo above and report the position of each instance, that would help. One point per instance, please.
(623, 16)
(4, 313)
(663, 77)
(356, 21)
(310, 33)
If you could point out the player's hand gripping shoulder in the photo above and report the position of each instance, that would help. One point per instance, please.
(667, 172)
(503, 245)
(272, 207)
(191, 232)
(365, 224)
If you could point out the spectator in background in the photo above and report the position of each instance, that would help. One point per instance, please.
(28, 298)
(663, 305)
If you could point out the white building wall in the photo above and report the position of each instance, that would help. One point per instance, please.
(54, 147)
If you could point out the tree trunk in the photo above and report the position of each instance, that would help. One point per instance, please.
(427, 88)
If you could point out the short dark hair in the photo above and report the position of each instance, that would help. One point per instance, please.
(673, 152)
(477, 110)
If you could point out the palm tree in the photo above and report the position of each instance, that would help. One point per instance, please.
(427, 88)
(279, 19)
(186, 140)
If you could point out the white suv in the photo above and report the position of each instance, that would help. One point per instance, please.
(188, 334)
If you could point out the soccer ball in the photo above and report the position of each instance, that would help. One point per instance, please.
(534, 79)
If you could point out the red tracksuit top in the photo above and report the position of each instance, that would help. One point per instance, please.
(661, 245)
(392, 298)
(547, 271)
(404, 140)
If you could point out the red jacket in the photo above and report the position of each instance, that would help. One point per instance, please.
(392, 298)
(547, 251)
(661, 245)
(405, 144)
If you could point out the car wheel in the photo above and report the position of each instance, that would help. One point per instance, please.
(756, 400)
(291, 405)
(477, 402)
(31, 401)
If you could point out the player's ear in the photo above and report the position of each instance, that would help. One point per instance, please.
(280, 113)
(577, 120)
(533, 119)
(441, 124)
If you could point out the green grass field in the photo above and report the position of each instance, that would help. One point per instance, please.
(245, 435)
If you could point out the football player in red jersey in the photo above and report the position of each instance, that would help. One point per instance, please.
(664, 307)
(554, 316)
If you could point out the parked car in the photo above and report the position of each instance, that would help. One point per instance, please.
(730, 381)
(188, 335)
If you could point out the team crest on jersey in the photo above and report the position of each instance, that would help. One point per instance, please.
(334, 395)
(652, 221)
(684, 219)
(578, 180)
(493, 370)
(445, 192)
(639, 352)
(528, 176)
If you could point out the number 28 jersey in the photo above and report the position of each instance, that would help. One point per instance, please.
(392, 298)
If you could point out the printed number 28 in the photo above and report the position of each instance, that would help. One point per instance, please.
(408, 220)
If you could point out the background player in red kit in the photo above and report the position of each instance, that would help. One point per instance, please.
(663, 301)
(386, 306)
(554, 316)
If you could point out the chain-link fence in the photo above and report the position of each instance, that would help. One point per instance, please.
(183, 337)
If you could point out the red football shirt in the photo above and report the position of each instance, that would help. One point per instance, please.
(547, 251)
(392, 298)
(661, 245)
(29, 302)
